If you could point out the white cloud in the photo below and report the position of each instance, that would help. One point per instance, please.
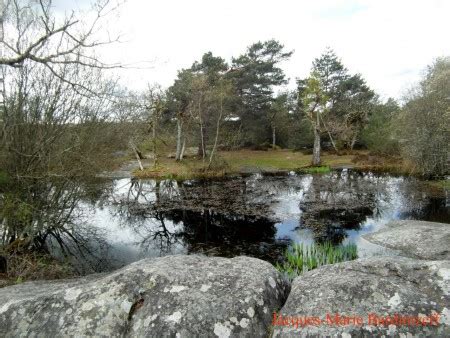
(388, 41)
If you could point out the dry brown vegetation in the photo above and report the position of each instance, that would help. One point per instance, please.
(33, 266)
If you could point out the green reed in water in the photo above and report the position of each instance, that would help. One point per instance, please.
(300, 258)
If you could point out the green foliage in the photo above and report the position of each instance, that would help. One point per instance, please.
(300, 258)
(379, 134)
(301, 134)
(343, 100)
(282, 120)
(315, 96)
(211, 66)
(330, 71)
(179, 94)
(254, 75)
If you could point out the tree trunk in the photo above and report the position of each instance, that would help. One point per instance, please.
(353, 142)
(3, 265)
(201, 146)
(316, 149)
(179, 133)
(183, 148)
(139, 153)
(155, 156)
(329, 135)
(217, 134)
(136, 153)
(273, 137)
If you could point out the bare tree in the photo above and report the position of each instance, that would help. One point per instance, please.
(155, 105)
(199, 107)
(46, 143)
(33, 32)
(425, 119)
(55, 98)
(221, 93)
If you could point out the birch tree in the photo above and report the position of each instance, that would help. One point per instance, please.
(179, 103)
(315, 102)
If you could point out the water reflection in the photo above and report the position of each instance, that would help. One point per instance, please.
(256, 215)
(227, 217)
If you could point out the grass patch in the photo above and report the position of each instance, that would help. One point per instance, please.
(253, 161)
(315, 170)
(300, 258)
(281, 159)
(241, 161)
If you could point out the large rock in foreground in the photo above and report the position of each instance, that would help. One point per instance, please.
(415, 239)
(185, 296)
(381, 286)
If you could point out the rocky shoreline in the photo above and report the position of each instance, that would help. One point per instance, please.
(185, 296)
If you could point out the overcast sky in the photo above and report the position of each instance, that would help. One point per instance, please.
(389, 42)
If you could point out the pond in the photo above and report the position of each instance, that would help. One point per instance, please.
(257, 215)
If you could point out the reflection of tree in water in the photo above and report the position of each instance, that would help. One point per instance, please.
(424, 202)
(228, 235)
(82, 243)
(46, 218)
(434, 210)
(338, 202)
(221, 217)
(343, 200)
(140, 209)
(236, 216)
(226, 217)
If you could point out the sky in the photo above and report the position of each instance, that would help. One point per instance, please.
(389, 42)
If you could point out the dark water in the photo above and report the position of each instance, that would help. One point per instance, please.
(260, 216)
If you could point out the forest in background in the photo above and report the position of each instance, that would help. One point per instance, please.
(215, 105)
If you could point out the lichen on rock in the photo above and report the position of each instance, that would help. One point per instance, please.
(170, 296)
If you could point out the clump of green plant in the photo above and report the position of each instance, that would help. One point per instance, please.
(315, 170)
(300, 258)
(4, 178)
